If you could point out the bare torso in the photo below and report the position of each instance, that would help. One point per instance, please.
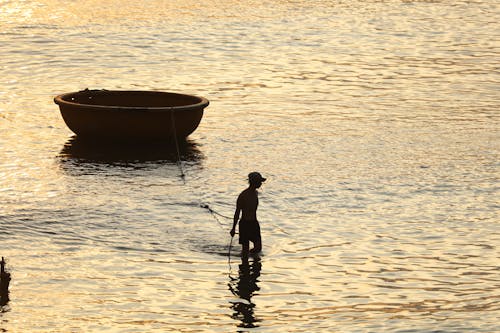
(248, 202)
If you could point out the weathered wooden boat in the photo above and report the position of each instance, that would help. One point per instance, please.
(131, 115)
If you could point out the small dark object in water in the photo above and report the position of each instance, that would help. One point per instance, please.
(131, 115)
(4, 284)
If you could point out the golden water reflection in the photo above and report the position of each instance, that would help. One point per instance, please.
(376, 122)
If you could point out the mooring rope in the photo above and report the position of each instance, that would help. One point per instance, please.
(179, 160)
(229, 255)
(212, 212)
(215, 213)
(183, 175)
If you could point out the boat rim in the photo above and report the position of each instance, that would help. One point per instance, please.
(203, 102)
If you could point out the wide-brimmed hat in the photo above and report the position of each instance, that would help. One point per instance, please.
(255, 177)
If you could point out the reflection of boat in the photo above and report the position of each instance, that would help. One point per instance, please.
(135, 115)
(110, 152)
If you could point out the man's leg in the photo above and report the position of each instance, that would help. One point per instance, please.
(257, 246)
(256, 239)
(245, 246)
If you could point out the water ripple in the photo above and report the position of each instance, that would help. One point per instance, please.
(375, 122)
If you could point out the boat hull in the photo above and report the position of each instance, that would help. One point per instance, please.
(131, 115)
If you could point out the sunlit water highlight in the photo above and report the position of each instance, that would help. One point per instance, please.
(376, 123)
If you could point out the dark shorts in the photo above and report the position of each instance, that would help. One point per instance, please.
(249, 231)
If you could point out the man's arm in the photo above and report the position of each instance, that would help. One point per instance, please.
(236, 217)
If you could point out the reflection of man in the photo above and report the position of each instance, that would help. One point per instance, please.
(249, 227)
(244, 287)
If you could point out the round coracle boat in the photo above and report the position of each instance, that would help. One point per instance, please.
(135, 115)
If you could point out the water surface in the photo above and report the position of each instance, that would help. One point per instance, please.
(375, 122)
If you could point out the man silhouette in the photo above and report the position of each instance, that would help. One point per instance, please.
(246, 205)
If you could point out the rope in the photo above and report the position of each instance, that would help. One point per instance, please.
(215, 214)
(229, 255)
(212, 212)
(179, 161)
(183, 176)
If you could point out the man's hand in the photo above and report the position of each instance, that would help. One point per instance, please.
(232, 232)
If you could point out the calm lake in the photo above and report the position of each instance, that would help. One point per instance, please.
(377, 124)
